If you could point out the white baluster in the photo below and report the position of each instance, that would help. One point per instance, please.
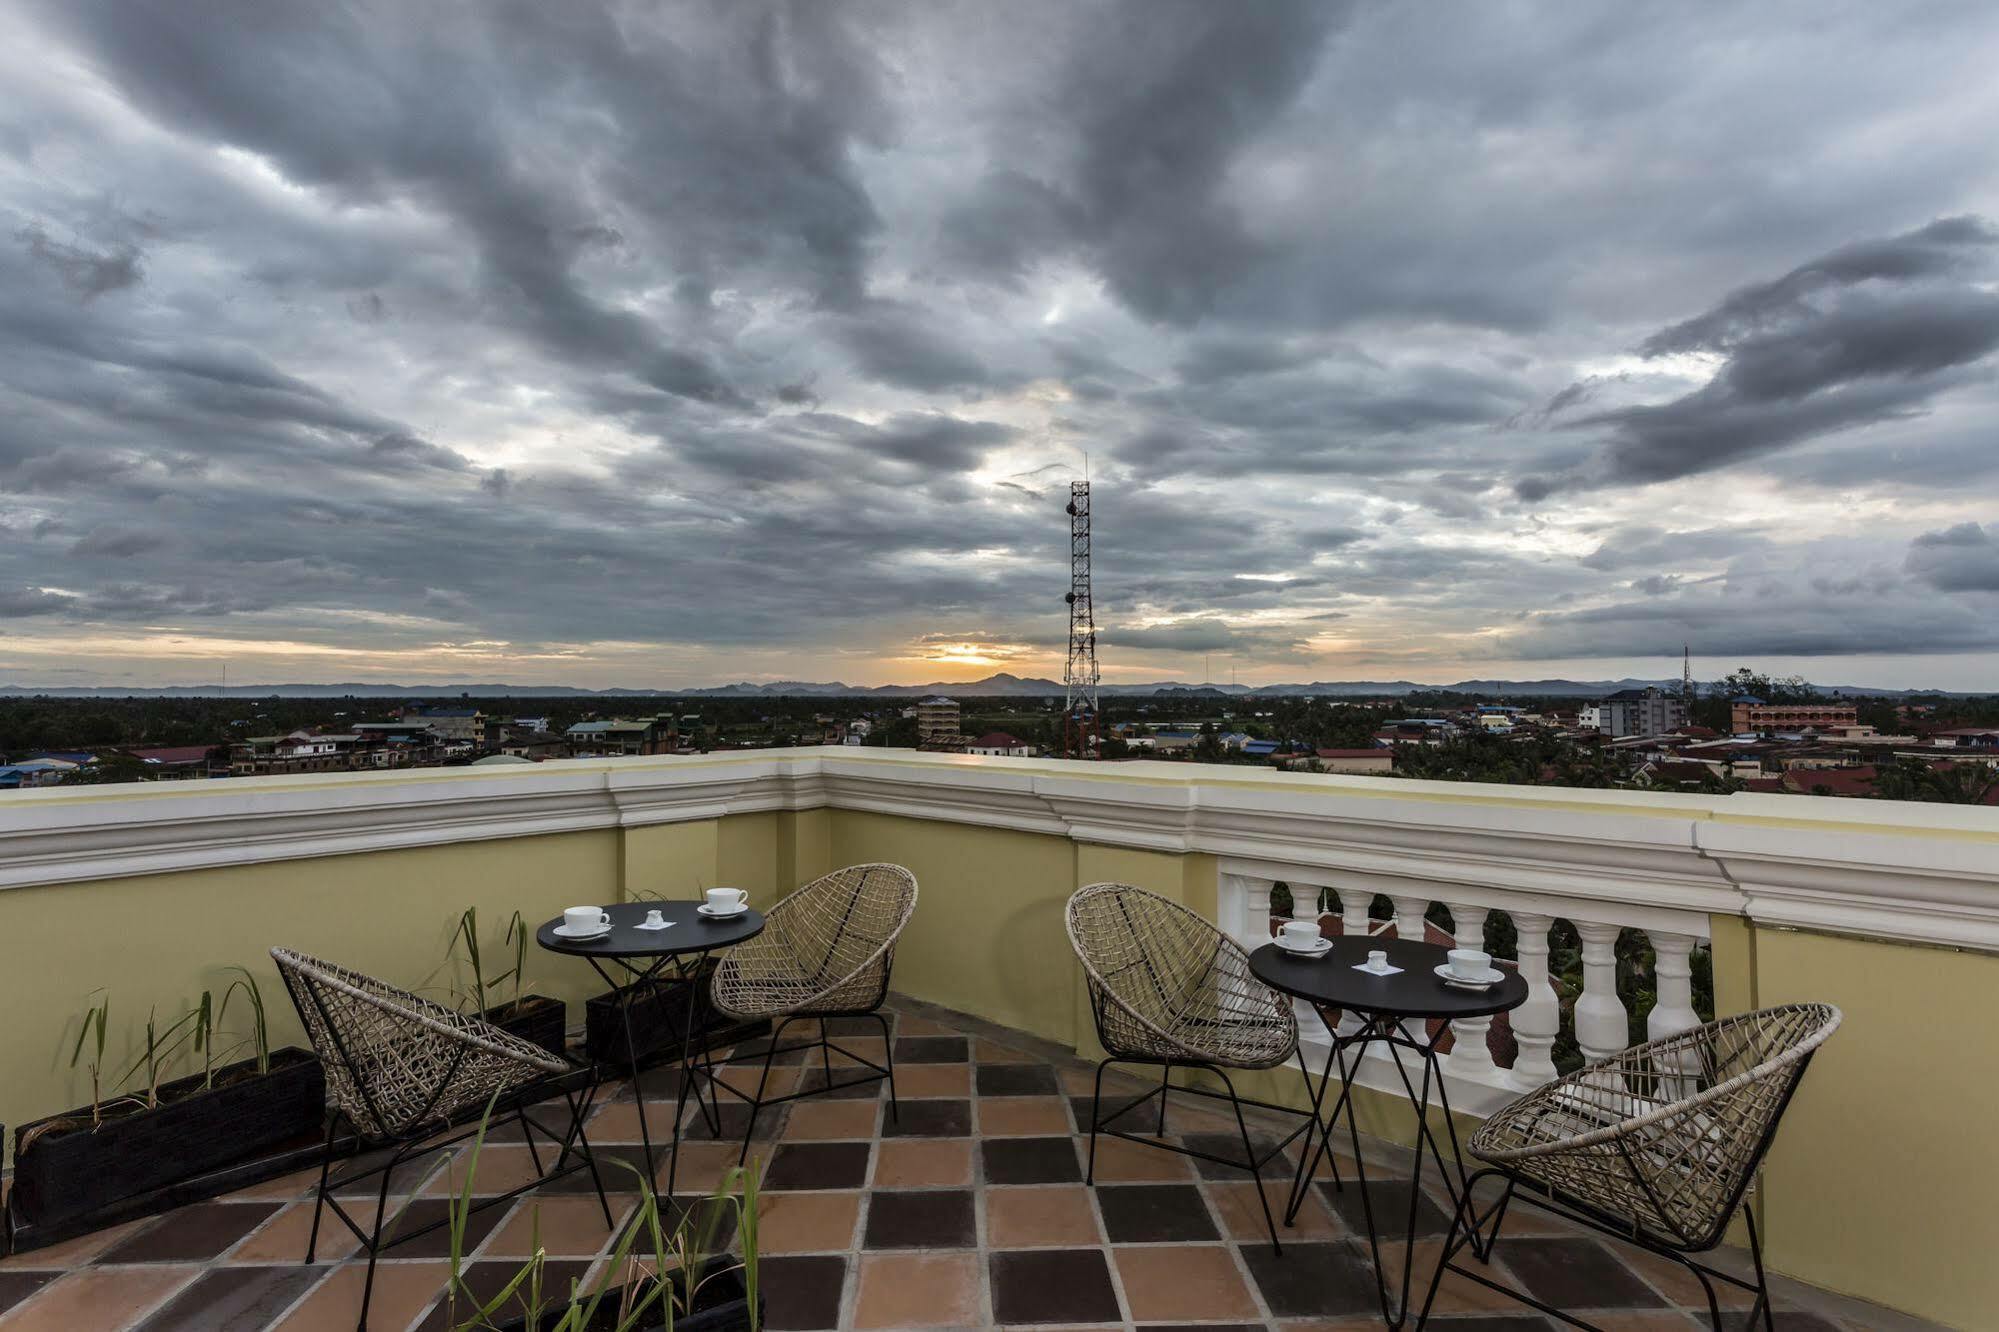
(1602, 1027)
(1470, 1057)
(1409, 924)
(1354, 903)
(1537, 1021)
(1673, 979)
(1255, 929)
(1305, 906)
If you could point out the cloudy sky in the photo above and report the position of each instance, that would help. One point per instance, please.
(662, 345)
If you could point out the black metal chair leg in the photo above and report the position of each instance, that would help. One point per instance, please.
(1165, 1079)
(1451, 1245)
(1249, 1155)
(319, 1195)
(763, 1081)
(1096, 1114)
(888, 1049)
(1762, 1280)
(375, 1237)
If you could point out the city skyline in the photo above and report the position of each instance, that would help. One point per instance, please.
(667, 349)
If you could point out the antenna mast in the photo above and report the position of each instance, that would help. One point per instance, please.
(1080, 676)
(1687, 675)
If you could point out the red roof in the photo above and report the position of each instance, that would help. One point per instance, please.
(174, 754)
(998, 740)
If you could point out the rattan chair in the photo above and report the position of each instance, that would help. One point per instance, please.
(826, 952)
(1168, 989)
(401, 1071)
(1657, 1146)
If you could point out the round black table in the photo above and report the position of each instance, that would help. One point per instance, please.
(645, 956)
(1382, 1004)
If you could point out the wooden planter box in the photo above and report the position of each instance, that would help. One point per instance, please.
(70, 1170)
(659, 1017)
(724, 1307)
(534, 1018)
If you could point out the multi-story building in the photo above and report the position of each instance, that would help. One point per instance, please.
(449, 723)
(937, 724)
(1650, 711)
(645, 735)
(1753, 714)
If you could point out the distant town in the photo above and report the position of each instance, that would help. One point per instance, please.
(1746, 733)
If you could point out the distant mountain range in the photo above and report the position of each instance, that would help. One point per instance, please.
(1001, 685)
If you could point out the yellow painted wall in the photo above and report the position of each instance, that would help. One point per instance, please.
(1881, 1181)
(158, 940)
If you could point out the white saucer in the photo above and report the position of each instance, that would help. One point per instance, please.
(577, 936)
(663, 925)
(721, 915)
(1492, 977)
(1319, 949)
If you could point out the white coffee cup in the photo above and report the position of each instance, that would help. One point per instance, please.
(727, 899)
(1470, 963)
(585, 920)
(1300, 933)
(655, 920)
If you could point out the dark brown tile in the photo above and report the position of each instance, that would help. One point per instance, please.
(434, 1243)
(734, 1118)
(1229, 1145)
(1575, 1274)
(819, 1165)
(1314, 1280)
(801, 1294)
(930, 1219)
(18, 1286)
(1030, 1161)
(1155, 1213)
(1389, 1201)
(932, 1050)
(928, 1119)
(858, 1026)
(1053, 1286)
(792, 1050)
(1016, 1080)
(487, 1280)
(1493, 1323)
(616, 1164)
(192, 1234)
(234, 1299)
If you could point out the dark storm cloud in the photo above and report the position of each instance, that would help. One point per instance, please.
(1872, 332)
(1964, 558)
(756, 325)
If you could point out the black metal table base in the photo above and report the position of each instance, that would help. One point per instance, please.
(1377, 1028)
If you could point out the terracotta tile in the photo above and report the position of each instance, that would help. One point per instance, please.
(1022, 1117)
(285, 1187)
(916, 1026)
(1242, 1217)
(831, 1120)
(1183, 1281)
(500, 1169)
(783, 1080)
(233, 1299)
(1052, 1286)
(402, 1291)
(807, 1222)
(1121, 1161)
(921, 1080)
(918, 1290)
(870, 1048)
(76, 1252)
(192, 1234)
(923, 1163)
(1662, 1321)
(567, 1227)
(99, 1297)
(991, 1052)
(1040, 1216)
(1455, 1294)
(485, 1281)
(619, 1122)
(703, 1166)
(282, 1238)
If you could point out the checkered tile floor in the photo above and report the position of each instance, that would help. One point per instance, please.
(966, 1209)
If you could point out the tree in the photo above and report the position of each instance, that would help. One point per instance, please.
(1939, 784)
(1208, 748)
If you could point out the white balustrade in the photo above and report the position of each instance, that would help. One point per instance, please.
(1673, 1011)
(1476, 1081)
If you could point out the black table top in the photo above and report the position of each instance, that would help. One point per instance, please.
(1417, 991)
(690, 932)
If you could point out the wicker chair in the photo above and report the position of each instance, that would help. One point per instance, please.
(826, 951)
(1658, 1146)
(400, 1069)
(1170, 990)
